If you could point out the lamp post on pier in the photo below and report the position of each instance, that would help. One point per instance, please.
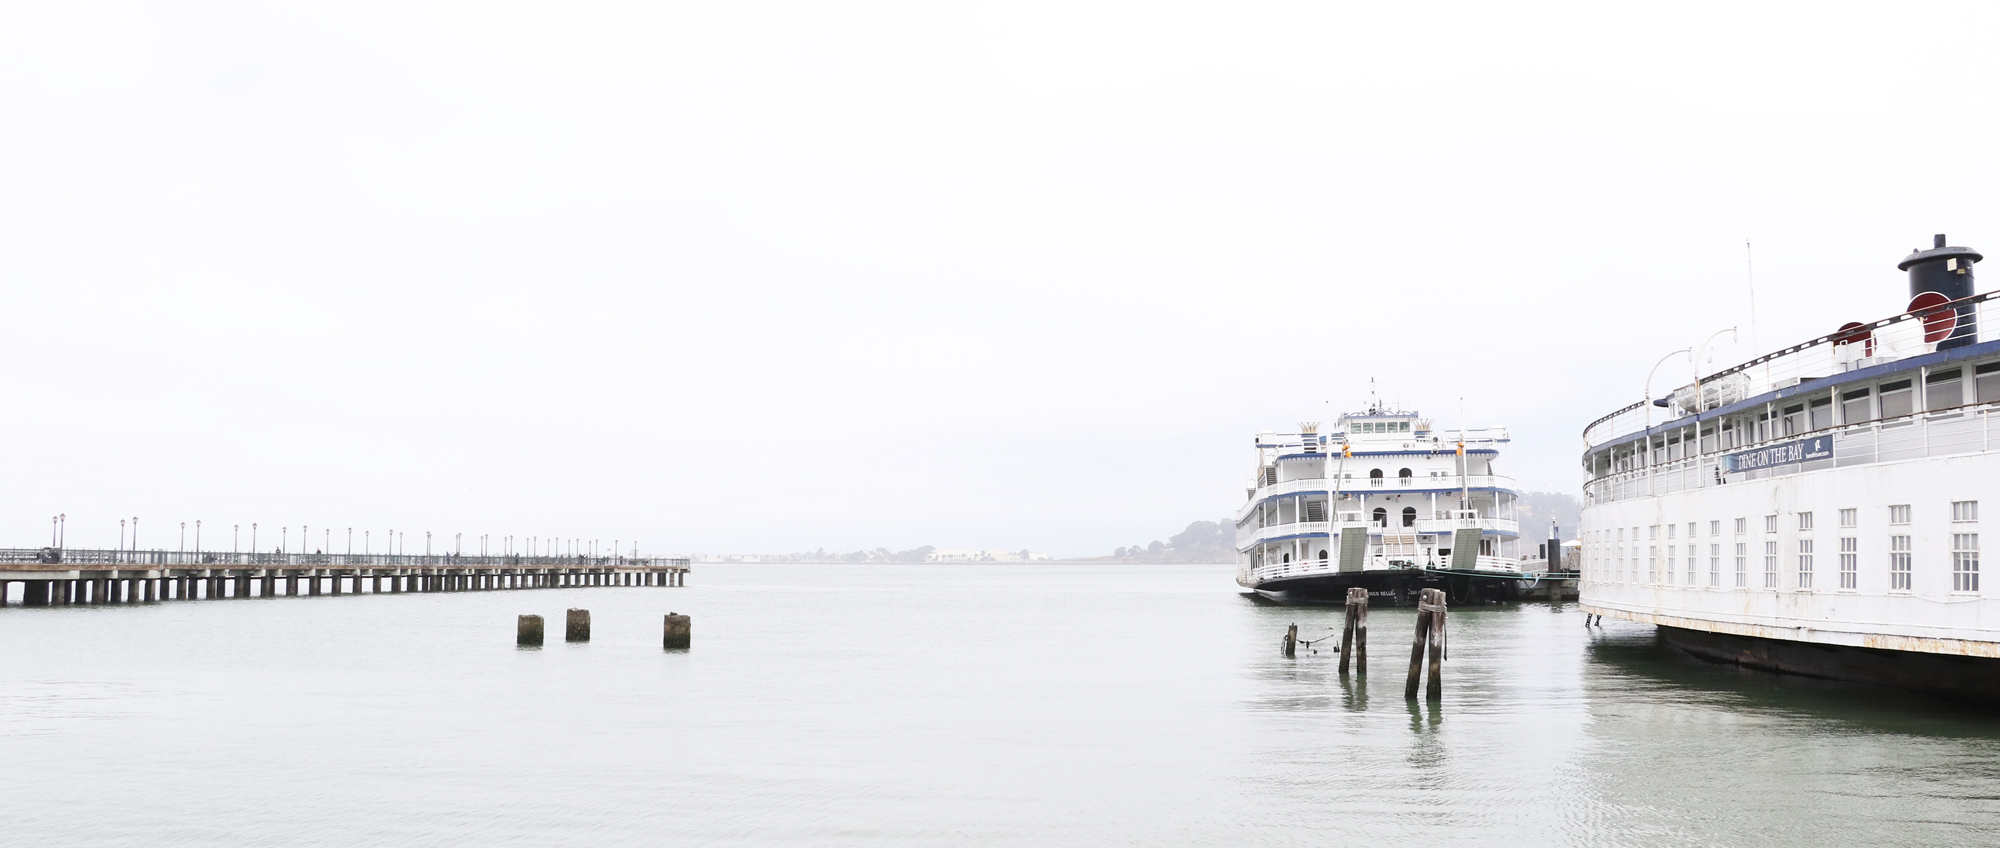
(427, 543)
(197, 535)
(184, 537)
(62, 530)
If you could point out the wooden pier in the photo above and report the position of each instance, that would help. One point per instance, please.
(52, 577)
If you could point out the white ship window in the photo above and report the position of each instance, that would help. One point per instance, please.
(1895, 399)
(1899, 563)
(1965, 562)
(1942, 390)
(1962, 511)
(1805, 521)
(1715, 528)
(1409, 516)
(1850, 517)
(1742, 557)
(1770, 524)
(1708, 439)
(1986, 381)
(1404, 476)
(1715, 566)
(1854, 407)
(1850, 562)
(1819, 413)
(1653, 563)
(1899, 513)
(1691, 529)
(1805, 564)
(1653, 532)
(1381, 517)
(1795, 419)
(1763, 426)
(1741, 527)
(1770, 565)
(1671, 529)
(1672, 550)
(1691, 572)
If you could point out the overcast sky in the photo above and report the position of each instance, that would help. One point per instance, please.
(767, 277)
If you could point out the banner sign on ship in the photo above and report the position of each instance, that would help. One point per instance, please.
(1803, 450)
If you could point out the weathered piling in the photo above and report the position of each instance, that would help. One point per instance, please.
(1291, 643)
(578, 629)
(679, 632)
(1354, 632)
(1430, 634)
(528, 631)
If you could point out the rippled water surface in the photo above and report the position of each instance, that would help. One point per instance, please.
(938, 705)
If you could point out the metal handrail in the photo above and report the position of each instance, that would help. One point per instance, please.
(217, 559)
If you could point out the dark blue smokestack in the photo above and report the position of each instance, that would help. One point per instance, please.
(1947, 271)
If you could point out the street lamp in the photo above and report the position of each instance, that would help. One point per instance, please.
(1649, 385)
(350, 540)
(184, 537)
(1698, 404)
(253, 537)
(427, 543)
(197, 535)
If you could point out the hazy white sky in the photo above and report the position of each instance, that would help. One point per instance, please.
(764, 277)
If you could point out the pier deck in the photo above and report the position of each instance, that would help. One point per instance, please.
(53, 577)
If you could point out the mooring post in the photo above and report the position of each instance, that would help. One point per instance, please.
(1417, 645)
(1291, 643)
(1438, 613)
(528, 631)
(679, 632)
(1354, 629)
(579, 626)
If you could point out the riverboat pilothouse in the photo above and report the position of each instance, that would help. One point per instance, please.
(1817, 510)
(1381, 500)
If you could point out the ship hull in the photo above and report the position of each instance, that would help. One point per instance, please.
(1969, 678)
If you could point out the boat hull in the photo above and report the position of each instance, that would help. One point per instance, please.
(1951, 675)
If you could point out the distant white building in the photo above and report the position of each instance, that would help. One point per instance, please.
(986, 556)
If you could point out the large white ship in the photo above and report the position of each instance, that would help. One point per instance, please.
(1817, 510)
(1382, 500)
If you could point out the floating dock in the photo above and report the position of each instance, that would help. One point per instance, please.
(52, 577)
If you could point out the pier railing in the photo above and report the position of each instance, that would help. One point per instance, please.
(1849, 349)
(223, 559)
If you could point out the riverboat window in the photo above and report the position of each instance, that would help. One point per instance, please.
(1770, 524)
(1819, 413)
(1653, 563)
(1962, 511)
(1895, 399)
(1899, 513)
(1740, 529)
(1854, 407)
(1672, 551)
(1943, 390)
(1691, 572)
(1805, 521)
(1404, 476)
(1409, 516)
(1715, 566)
(1715, 528)
(1899, 563)
(1671, 529)
(1741, 555)
(1381, 517)
(1763, 426)
(1691, 526)
(1986, 380)
(1805, 564)
(1965, 562)
(1771, 565)
(1795, 419)
(1708, 439)
(1850, 561)
(1850, 517)
(1652, 532)
(1375, 477)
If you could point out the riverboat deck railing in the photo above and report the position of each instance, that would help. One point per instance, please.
(1848, 349)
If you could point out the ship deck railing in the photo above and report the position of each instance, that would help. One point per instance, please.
(92, 559)
(1880, 342)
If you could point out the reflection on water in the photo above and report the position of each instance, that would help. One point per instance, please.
(926, 705)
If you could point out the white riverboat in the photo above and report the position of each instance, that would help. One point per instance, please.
(1817, 510)
(1383, 500)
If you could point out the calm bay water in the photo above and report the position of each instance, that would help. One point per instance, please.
(938, 705)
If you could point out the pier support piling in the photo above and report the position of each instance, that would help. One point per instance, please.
(1430, 634)
(528, 631)
(679, 632)
(578, 627)
(1290, 645)
(1354, 631)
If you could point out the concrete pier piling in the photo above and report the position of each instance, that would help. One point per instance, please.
(679, 632)
(578, 627)
(528, 631)
(1354, 631)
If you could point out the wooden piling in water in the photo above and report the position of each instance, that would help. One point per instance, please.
(1291, 643)
(679, 632)
(528, 631)
(578, 628)
(1437, 634)
(1354, 631)
(1430, 635)
(1417, 645)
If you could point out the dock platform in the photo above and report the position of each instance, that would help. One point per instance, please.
(52, 577)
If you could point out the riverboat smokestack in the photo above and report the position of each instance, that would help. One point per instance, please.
(1946, 271)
